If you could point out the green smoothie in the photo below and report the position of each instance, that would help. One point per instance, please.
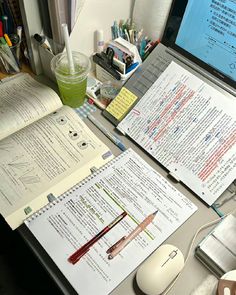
(72, 94)
(72, 84)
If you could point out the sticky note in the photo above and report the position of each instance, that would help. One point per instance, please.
(120, 106)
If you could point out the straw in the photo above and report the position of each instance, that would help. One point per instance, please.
(68, 49)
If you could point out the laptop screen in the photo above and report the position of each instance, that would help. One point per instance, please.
(205, 32)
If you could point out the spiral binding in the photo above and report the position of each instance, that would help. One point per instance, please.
(74, 188)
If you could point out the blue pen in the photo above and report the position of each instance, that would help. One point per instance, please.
(131, 67)
(110, 135)
(142, 47)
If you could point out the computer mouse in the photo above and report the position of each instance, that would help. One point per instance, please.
(159, 269)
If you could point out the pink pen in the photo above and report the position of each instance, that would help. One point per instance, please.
(124, 241)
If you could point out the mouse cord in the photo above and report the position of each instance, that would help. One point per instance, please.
(192, 243)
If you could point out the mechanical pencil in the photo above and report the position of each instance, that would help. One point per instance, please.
(124, 241)
(85, 248)
(110, 135)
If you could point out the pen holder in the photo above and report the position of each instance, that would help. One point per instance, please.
(16, 51)
(10, 61)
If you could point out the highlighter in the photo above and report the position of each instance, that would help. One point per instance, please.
(7, 40)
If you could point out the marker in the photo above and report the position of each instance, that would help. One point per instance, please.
(131, 67)
(110, 135)
(7, 40)
(5, 24)
(1, 29)
(42, 41)
(124, 241)
(96, 101)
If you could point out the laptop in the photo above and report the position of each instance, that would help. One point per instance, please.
(201, 37)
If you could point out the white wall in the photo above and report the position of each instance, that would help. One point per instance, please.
(97, 14)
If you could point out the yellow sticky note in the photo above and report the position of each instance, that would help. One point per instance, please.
(119, 107)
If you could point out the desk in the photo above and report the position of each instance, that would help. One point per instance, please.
(25, 68)
(194, 272)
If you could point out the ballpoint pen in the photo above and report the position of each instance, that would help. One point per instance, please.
(85, 248)
(110, 135)
(124, 241)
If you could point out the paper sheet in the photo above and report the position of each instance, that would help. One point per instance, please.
(119, 107)
(23, 100)
(189, 127)
(45, 157)
(127, 184)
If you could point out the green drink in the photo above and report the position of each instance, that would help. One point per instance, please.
(72, 86)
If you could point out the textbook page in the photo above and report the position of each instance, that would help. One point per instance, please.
(129, 184)
(23, 100)
(189, 127)
(48, 156)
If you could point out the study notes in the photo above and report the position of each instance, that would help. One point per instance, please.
(190, 128)
(127, 183)
(45, 148)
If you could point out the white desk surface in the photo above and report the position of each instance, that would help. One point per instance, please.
(194, 272)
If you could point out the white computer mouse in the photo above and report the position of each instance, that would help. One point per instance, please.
(160, 269)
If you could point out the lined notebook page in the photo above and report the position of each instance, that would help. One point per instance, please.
(126, 183)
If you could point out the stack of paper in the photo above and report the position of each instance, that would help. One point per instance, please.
(218, 250)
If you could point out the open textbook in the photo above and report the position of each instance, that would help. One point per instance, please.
(127, 183)
(190, 128)
(45, 148)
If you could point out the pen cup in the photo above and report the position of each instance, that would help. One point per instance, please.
(72, 86)
(15, 49)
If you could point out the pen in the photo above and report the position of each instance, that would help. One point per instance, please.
(110, 135)
(85, 248)
(1, 29)
(5, 24)
(19, 33)
(131, 67)
(42, 41)
(124, 241)
(7, 54)
(7, 40)
(96, 101)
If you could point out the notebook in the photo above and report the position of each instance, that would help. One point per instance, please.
(199, 36)
(125, 184)
(182, 99)
(218, 250)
